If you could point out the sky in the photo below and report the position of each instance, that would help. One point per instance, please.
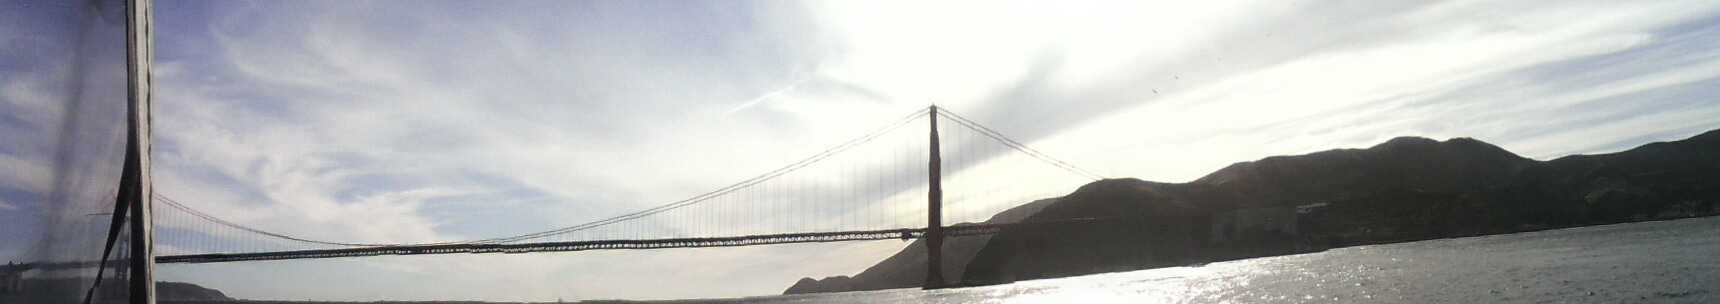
(406, 121)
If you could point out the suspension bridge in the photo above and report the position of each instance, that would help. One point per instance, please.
(892, 183)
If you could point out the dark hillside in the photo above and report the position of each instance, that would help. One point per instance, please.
(1404, 189)
(907, 268)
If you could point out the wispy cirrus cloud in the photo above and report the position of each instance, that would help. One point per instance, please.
(360, 122)
(1541, 89)
(381, 122)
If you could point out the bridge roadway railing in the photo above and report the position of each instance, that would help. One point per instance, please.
(750, 240)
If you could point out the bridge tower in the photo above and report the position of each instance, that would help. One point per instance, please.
(935, 213)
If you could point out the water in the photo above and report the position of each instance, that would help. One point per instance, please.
(1666, 262)
(1659, 262)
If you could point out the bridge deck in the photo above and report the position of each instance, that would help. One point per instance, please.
(750, 240)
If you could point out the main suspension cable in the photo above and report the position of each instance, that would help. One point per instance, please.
(722, 191)
(1019, 146)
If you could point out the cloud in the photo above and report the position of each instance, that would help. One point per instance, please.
(372, 122)
(25, 175)
(1453, 76)
(366, 123)
(766, 96)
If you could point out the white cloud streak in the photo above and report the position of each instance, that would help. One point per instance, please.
(369, 122)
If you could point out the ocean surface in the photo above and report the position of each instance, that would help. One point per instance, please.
(1674, 261)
